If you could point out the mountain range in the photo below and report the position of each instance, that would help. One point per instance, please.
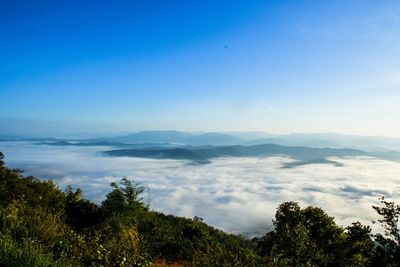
(318, 140)
(200, 147)
(202, 155)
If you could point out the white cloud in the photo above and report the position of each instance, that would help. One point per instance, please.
(236, 194)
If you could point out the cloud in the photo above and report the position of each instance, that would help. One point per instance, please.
(238, 195)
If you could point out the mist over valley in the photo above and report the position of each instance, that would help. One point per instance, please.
(235, 188)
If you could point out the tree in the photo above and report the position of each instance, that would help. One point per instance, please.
(1, 159)
(80, 213)
(124, 198)
(388, 249)
(289, 243)
(359, 245)
(309, 237)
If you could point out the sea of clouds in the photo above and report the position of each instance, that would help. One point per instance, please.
(239, 195)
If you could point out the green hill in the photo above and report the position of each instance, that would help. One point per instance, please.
(305, 155)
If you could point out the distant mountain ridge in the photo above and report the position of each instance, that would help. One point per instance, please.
(332, 140)
(175, 137)
(202, 155)
(316, 140)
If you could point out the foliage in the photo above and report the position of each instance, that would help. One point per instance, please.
(79, 213)
(359, 245)
(26, 253)
(309, 237)
(41, 225)
(388, 249)
(45, 226)
(124, 198)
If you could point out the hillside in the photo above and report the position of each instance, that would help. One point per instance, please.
(40, 225)
(316, 140)
(304, 155)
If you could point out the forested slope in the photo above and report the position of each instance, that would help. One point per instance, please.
(40, 225)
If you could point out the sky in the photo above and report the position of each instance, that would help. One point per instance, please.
(274, 66)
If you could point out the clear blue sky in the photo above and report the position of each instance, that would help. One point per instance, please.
(275, 66)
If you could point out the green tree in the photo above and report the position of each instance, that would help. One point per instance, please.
(359, 245)
(80, 213)
(388, 250)
(309, 237)
(124, 198)
(1, 159)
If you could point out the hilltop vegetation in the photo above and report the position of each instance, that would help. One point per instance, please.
(304, 155)
(40, 225)
(200, 148)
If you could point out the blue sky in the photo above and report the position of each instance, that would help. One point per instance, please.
(275, 66)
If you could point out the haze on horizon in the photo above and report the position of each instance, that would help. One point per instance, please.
(273, 66)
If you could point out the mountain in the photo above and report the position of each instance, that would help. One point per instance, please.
(11, 136)
(288, 141)
(389, 155)
(176, 137)
(304, 155)
(369, 143)
(30, 139)
(104, 143)
(148, 136)
(316, 140)
(219, 139)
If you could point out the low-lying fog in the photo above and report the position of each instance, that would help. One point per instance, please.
(236, 194)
